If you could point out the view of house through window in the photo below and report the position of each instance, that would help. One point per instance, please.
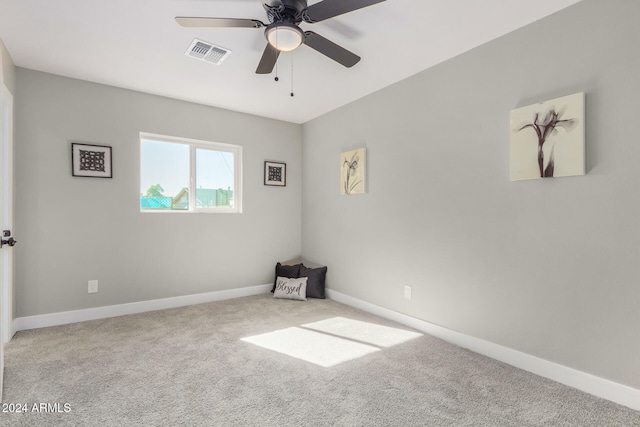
(178, 174)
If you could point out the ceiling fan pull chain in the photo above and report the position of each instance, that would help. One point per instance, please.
(291, 73)
(276, 79)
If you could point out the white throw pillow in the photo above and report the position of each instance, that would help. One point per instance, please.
(291, 288)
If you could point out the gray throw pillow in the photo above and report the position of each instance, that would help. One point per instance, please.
(315, 280)
(291, 271)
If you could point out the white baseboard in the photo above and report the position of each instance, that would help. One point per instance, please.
(600, 387)
(66, 317)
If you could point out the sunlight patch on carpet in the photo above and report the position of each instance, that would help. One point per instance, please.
(378, 335)
(332, 341)
(315, 347)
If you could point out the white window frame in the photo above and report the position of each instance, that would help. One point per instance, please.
(193, 145)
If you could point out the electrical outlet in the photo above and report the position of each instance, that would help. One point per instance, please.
(93, 286)
(407, 291)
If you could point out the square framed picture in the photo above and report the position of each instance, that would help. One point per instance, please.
(91, 160)
(275, 173)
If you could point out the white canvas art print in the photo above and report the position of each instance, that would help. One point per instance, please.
(547, 139)
(352, 171)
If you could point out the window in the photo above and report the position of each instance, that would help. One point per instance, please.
(186, 175)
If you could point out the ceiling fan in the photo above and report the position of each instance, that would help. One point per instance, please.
(283, 32)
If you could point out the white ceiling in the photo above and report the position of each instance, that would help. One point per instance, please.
(136, 44)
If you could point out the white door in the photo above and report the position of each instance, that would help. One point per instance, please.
(6, 222)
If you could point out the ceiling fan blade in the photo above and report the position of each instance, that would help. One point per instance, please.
(192, 21)
(329, 8)
(330, 49)
(268, 60)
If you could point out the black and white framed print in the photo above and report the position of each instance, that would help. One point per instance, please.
(275, 173)
(91, 160)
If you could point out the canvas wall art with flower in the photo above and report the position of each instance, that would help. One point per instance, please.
(547, 139)
(352, 171)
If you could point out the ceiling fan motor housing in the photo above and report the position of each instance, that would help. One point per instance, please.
(286, 10)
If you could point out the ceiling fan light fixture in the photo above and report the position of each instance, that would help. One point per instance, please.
(284, 37)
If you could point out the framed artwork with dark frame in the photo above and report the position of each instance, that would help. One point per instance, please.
(275, 173)
(91, 160)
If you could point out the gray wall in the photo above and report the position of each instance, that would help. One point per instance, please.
(76, 229)
(546, 267)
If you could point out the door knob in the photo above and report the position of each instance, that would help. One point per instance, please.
(10, 241)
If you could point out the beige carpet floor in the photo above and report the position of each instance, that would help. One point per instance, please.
(257, 361)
